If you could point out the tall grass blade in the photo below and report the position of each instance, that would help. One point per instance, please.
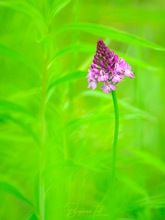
(114, 34)
(16, 192)
(9, 52)
(68, 78)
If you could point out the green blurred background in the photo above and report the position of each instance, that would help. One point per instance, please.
(56, 135)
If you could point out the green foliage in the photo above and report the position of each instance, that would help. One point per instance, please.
(113, 34)
(56, 135)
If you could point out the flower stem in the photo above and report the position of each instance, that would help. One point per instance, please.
(43, 146)
(116, 130)
(42, 155)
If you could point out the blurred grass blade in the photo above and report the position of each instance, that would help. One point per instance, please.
(73, 48)
(25, 126)
(11, 106)
(117, 35)
(31, 216)
(90, 119)
(87, 48)
(137, 111)
(22, 6)
(25, 93)
(27, 9)
(129, 14)
(56, 7)
(68, 78)
(9, 52)
(9, 109)
(153, 201)
(151, 160)
(137, 62)
(132, 185)
(16, 192)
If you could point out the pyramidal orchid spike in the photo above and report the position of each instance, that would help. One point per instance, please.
(107, 68)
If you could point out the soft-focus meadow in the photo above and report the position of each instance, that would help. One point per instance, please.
(56, 135)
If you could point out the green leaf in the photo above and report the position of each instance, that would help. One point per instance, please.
(157, 201)
(11, 106)
(31, 216)
(73, 48)
(16, 192)
(68, 77)
(9, 52)
(138, 113)
(24, 125)
(114, 34)
(25, 93)
(128, 14)
(132, 185)
(90, 119)
(137, 62)
(27, 9)
(56, 7)
(87, 48)
(152, 160)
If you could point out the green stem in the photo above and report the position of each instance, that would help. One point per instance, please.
(114, 150)
(43, 145)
